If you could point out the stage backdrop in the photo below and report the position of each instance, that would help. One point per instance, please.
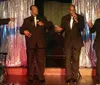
(14, 44)
(11, 41)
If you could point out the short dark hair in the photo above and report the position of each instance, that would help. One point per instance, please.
(72, 5)
(32, 6)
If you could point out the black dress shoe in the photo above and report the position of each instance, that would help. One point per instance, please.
(42, 81)
(68, 81)
(36, 77)
(29, 80)
(74, 80)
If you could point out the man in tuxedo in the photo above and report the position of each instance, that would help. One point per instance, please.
(34, 28)
(72, 24)
(96, 45)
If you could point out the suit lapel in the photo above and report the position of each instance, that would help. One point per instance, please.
(32, 21)
(74, 22)
(69, 18)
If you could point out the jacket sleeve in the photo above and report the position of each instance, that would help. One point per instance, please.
(23, 27)
(63, 24)
(93, 29)
(81, 23)
(4, 21)
(45, 21)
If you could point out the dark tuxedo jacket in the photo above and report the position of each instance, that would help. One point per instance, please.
(38, 33)
(4, 21)
(73, 35)
(96, 28)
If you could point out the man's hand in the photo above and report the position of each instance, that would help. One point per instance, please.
(90, 24)
(75, 17)
(27, 33)
(40, 23)
(12, 19)
(58, 29)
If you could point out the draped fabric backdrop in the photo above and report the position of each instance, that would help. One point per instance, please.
(90, 9)
(11, 41)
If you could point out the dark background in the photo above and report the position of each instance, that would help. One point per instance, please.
(55, 42)
(40, 4)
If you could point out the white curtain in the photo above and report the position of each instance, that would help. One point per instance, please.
(11, 41)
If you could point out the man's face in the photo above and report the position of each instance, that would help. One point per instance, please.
(34, 10)
(71, 10)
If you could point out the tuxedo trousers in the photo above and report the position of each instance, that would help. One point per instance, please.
(35, 63)
(72, 54)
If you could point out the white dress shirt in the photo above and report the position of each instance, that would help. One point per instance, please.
(35, 21)
(71, 23)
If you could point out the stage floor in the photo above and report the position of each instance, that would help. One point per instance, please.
(53, 76)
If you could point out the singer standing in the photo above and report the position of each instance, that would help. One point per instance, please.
(96, 46)
(72, 24)
(34, 28)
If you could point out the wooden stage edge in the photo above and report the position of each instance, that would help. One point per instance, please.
(50, 71)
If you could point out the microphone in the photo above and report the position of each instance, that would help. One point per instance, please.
(75, 17)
